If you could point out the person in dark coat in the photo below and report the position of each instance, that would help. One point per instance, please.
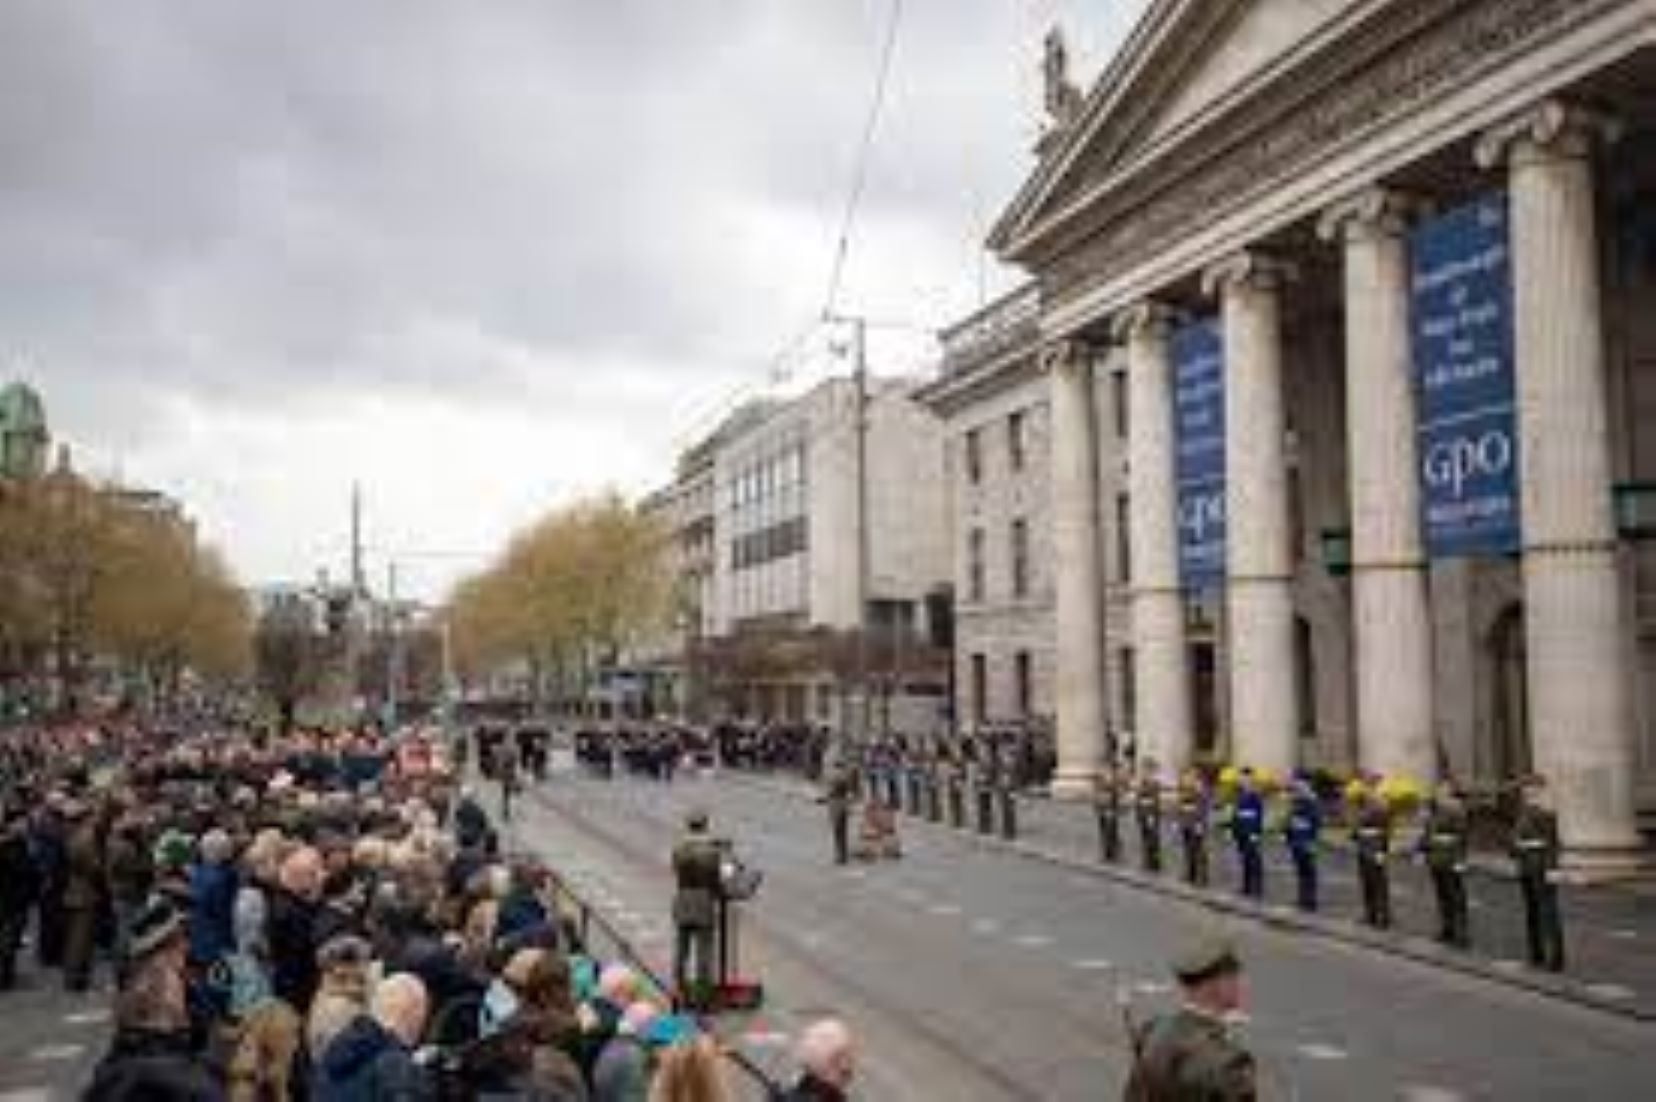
(19, 883)
(152, 1055)
(372, 1059)
(291, 929)
(213, 886)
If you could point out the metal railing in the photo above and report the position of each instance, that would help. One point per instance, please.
(601, 940)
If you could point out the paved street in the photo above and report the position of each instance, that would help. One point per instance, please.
(49, 1039)
(1610, 931)
(976, 974)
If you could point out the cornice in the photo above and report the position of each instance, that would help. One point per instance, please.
(1422, 50)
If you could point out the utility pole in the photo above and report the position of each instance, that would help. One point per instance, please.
(393, 659)
(859, 351)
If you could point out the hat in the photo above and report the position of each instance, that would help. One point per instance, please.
(344, 951)
(154, 928)
(1207, 959)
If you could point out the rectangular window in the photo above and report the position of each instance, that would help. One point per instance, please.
(974, 565)
(980, 688)
(1020, 558)
(974, 457)
(1023, 672)
(1129, 690)
(1124, 538)
(1015, 439)
(1118, 403)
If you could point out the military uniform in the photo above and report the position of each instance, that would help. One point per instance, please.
(842, 792)
(697, 862)
(1301, 831)
(1373, 851)
(1535, 851)
(1247, 826)
(1443, 841)
(1191, 1053)
(1147, 805)
(1107, 806)
(1193, 829)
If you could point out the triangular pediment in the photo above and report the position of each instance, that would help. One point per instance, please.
(1186, 61)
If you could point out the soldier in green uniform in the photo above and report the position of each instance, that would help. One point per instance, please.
(1107, 806)
(1193, 813)
(1191, 1053)
(1535, 851)
(841, 794)
(696, 873)
(1443, 843)
(1147, 806)
(1373, 837)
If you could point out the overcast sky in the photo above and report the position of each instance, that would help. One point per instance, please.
(482, 255)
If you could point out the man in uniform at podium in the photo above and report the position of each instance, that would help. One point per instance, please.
(697, 861)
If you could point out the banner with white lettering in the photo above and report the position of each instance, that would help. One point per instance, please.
(1199, 435)
(1461, 278)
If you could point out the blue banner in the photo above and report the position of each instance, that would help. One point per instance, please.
(1199, 437)
(1461, 282)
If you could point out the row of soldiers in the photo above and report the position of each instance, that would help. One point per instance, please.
(1442, 843)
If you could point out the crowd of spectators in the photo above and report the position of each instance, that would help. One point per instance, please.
(329, 917)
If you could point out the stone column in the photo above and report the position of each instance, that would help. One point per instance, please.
(1265, 719)
(1080, 589)
(1580, 688)
(1392, 626)
(1161, 664)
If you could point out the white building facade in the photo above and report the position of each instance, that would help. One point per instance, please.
(1376, 275)
(786, 595)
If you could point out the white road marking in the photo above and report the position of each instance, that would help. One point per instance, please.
(1032, 941)
(46, 1054)
(944, 909)
(1318, 1050)
(1610, 991)
(87, 1017)
(1425, 1092)
(985, 926)
(1152, 987)
(1625, 935)
(1092, 965)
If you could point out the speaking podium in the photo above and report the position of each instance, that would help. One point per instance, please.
(738, 883)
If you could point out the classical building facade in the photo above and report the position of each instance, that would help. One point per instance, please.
(992, 401)
(769, 516)
(1377, 275)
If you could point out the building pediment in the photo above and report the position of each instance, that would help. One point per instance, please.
(1187, 63)
(1220, 113)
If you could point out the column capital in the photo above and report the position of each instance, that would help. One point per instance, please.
(1548, 130)
(1255, 270)
(1148, 318)
(1066, 356)
(1373, 212)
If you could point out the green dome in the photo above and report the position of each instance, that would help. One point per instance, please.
(21, 409)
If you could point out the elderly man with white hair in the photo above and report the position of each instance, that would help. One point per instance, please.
(373, 1057)
(829, 1059)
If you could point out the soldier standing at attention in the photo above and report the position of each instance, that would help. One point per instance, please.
(1192, 1053)
(1107, 806)
(1301, 830)
(841, 794)
(1443, 843)
(1147, 805)
(1535, 850)
(1373, 851)
(1193, 827)
(696, 874)
(1247, 826)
